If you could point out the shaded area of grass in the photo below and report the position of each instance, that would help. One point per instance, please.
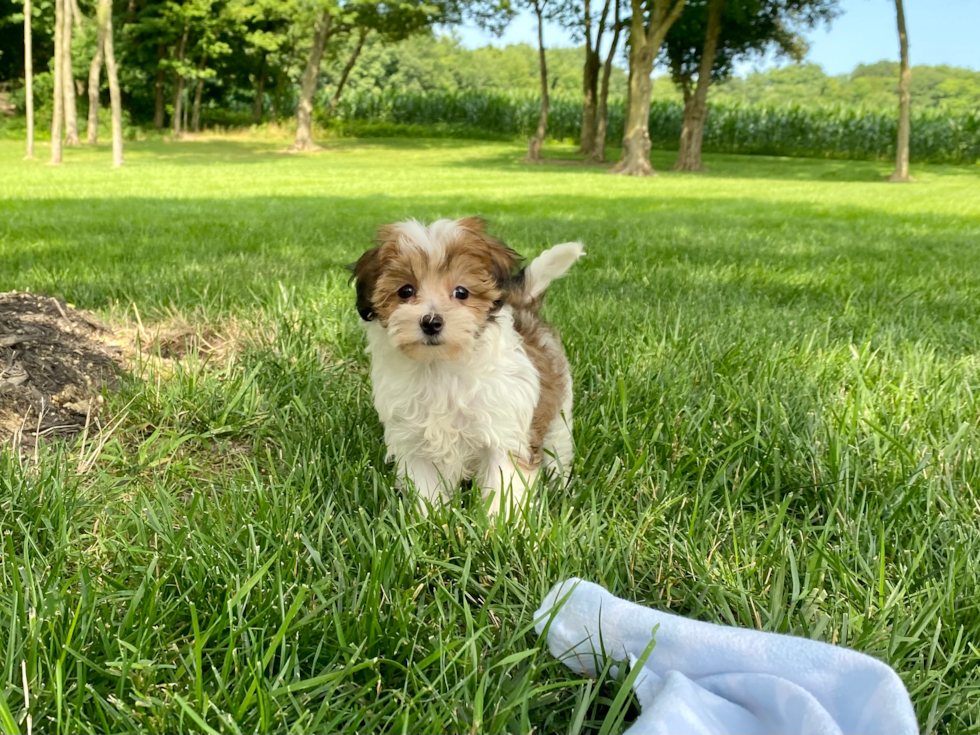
(777, 425)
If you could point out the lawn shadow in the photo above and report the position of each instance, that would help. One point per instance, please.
(718, 166)
(206, 150)
(784, 260)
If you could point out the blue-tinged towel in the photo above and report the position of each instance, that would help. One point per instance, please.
(706, 678)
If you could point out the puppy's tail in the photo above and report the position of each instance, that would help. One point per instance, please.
(527, 287)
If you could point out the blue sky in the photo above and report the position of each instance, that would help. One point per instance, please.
(940, 32)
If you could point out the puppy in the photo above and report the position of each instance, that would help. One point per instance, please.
(470, 383)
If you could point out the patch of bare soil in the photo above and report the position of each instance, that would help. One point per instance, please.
(166, 343)
(55, 361)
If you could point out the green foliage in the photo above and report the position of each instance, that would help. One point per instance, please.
(776, 418)
(830, 131)
(428, 63)
(873, 85)
(503, 114)
(785, 130)
(369, 129)
(748, 28)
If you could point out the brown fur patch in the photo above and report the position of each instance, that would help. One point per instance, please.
(543, 347)
(502, 259)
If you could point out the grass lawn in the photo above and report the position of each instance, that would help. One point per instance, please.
(777, 371)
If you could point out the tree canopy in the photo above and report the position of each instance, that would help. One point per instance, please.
(255, 50)
(748, 28)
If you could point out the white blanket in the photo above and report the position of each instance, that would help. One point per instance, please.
(706, 678)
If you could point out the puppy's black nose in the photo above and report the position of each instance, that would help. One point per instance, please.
(431, 324)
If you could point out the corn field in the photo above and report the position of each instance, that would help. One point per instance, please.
(796, 130)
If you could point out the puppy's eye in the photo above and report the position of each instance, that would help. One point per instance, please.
(460, 293)
(406, 291)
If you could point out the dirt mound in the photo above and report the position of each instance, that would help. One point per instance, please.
(54, 363)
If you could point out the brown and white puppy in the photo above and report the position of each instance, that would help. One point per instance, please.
(469, 381)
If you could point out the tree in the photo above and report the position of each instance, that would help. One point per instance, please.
(534, 145)
(591, 70)
(105, 53)
(712, 34)
(70, 19)
(202, 69)
(695, 105)
(598, 154)
(209, 47)
(57, 116)
(104, 19)
(94, 71)
(351, 60)
(261, 46)
(649, 25)
(257, 102)
(179, 75)
(304, 112)
(28, 79)
(393, 22)
(158, 109)
(904, 102)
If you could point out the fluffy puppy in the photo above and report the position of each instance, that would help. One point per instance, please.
(468, 380)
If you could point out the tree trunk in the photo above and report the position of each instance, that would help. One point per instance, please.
(58, 106)
(76, 14)
(696, 105)
(904, 103)
(112, 75)
(179, 86)
(94, 72)
(644, 47)
(259, 93)
(29, 79)
(277, 98)
(158, 110)
(598, 154)
(68, 80)
(534, 145)
(590, 88)
(178, 116)
(590, 79)
(304, 113)
(335, 100)
(635, 160)
(196, 115)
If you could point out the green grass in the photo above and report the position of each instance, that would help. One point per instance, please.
(777, 420)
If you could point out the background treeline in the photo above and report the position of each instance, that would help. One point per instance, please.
(235, 63)
(817, 131)
(440, 63)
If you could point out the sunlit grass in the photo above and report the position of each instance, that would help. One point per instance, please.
(777, 368)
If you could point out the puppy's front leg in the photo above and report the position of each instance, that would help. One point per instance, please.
(429, 483)
(507, 480)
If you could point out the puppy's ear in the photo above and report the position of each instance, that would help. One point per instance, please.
(365, 273)
(503, 260)
(476, 224)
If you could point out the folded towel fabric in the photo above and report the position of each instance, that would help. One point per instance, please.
(706, 678)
